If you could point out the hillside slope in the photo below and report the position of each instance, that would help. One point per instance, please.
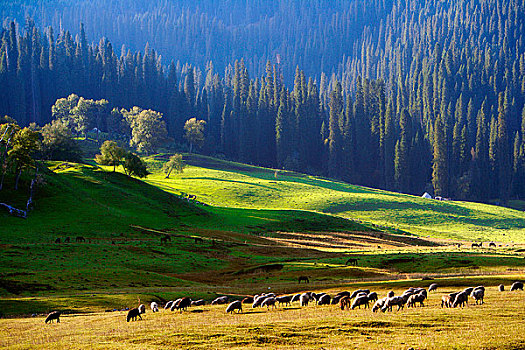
(230, 184)
(122, 221)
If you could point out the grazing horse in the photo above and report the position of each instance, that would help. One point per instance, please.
(477, 245)
(198, 240)
(304, 278)
(80, 239)
(66, 240)
(165, 239)
(492, 245)
(57, 240)
(352, 261)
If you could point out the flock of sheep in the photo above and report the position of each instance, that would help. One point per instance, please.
(346, 300)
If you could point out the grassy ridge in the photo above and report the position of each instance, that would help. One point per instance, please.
(231, 184)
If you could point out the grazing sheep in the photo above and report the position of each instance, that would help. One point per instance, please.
(236, 305)
(318, 296)
(133, 314)
(354, 294)
(258, 301)
(342, 294)
(324, 300)
(416, 298)
(55, 315)
(432, 287)
(378, 305)
(448, 299)
(247, 300)
(478, 295)
(423, 291)
(460, 300)
(362, 294)
(344, 303)
(516, 286)
(142, 308)
(181, 304)
(199, 302)
(269, 301)
(168, 305)
(296, 297)
(410, 291)
(312, 295)
(175, 303)
(335, 300)
(372, 296)
(284, 300)
(361, 300)
(390, 294)
(398, 301)
(501, 288)
(220, 300)
(154, 307)
(468, 290)
(304, 299)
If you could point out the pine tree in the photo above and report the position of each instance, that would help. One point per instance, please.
(334, 138)
(402, 151)
(440, 162)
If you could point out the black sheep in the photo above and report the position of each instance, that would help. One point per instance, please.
(133, 314)
(55, 315)
(516, 285)
(181, 304)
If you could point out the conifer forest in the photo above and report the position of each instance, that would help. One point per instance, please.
(412, 96)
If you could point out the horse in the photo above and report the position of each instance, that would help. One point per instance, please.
(304, 278)
(351, 261)
(165, 239)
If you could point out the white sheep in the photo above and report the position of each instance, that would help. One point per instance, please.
(478, 295)
(154, 307)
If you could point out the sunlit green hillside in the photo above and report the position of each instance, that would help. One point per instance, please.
(230, 184)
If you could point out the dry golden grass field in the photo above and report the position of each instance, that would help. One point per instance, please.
(497, 324)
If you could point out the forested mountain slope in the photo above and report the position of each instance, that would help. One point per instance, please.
(408, 96)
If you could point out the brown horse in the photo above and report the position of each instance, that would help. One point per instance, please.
(304, 278)
(352, 261)
(165, 239)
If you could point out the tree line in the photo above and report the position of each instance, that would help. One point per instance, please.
(433, 102)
